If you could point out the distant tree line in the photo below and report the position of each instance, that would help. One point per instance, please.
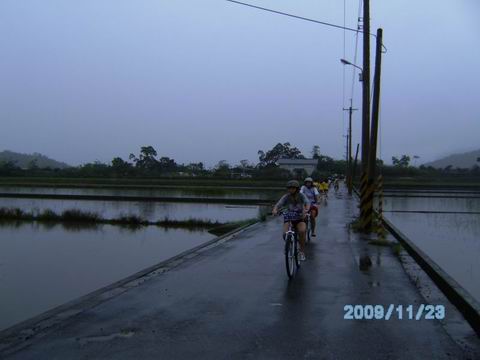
(147, 163)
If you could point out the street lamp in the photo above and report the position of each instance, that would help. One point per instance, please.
(349, 137)
(345, 62)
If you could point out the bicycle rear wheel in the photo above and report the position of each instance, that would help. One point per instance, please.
(291, 260)
(309, 230)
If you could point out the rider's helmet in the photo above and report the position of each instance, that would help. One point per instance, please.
(293, 183)
(308, 179)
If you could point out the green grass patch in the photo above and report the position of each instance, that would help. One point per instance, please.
(356, 225)
(79, 216)
(47, 215)
(74, 219)
(397, 248)
(14, 214)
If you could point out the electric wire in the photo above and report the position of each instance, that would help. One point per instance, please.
(294, 16)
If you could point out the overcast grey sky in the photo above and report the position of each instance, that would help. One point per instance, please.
(207, 80)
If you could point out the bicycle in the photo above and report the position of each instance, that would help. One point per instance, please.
(309, 228)
(324, 198)
(292, 261)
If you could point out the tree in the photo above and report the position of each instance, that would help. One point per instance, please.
(245, 164)
(8, 167)
(222, 169)
(403, 162)
(147, 152)
(120, 166)
(279, 151)
(316, 152)
(33, 164)
(195, 168)
(167, 164)
(96, 168)
(133, 158)
(146, 160)
(325, 163)
(415, 158)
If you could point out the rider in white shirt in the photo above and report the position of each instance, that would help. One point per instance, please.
(313, 196)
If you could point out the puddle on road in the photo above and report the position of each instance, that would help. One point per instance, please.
(122, 334)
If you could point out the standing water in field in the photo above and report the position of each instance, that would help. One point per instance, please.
(45, 266)
(447, 229)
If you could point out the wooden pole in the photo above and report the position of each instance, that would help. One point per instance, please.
(372, 159)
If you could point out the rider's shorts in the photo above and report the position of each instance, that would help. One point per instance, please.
(295, 222)
(314, 210)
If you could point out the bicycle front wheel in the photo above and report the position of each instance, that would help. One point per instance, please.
(290, 256)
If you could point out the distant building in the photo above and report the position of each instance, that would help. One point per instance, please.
(298, 165)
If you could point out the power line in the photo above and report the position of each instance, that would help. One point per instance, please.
(303, 18)
(294, 16)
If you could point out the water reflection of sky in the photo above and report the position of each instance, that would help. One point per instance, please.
(42, 267)
(451, 240)
(431, 204)
(179, 192)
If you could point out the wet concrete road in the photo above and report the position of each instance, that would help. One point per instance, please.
(233, 301)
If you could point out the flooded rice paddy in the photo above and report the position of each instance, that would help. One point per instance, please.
(446, 228)
(56, 263)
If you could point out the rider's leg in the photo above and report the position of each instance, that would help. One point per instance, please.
(285, 228)
(313, 221)
(301, 231)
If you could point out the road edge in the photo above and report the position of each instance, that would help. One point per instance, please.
(20, 335)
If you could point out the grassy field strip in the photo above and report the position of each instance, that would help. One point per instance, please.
(9, 215)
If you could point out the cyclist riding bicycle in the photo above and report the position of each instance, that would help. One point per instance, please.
(336, 183)
(313, 196)
(297, 205)
(325, 187)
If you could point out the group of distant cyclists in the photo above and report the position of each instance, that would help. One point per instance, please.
(302, 200)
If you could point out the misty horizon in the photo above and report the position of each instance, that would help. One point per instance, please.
(216, 81)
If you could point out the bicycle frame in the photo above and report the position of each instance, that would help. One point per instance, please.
(290, 230)
(308, 229)
(291, 250)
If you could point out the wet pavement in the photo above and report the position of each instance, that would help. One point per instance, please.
(233, 301)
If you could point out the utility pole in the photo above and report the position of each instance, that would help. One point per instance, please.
(372, 160)
(365, 107)
(349, 147)
(355, 163)
(346, 154)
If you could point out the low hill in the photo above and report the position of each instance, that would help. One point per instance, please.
(464, 160)
(26, 160)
